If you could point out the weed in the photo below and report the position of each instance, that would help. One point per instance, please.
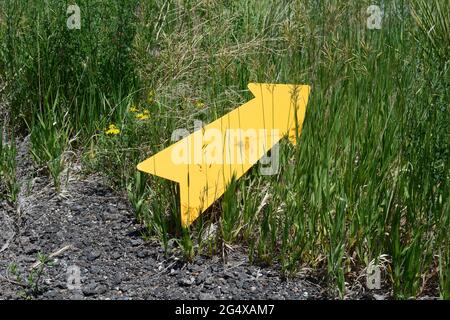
(50, 139)
(31, 283)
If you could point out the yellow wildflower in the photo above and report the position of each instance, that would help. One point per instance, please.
(150, 96)
(133, 109)
(112, 130)
(199, 104)
(144, 115)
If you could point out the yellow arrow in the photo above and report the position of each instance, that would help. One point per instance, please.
(204, 162)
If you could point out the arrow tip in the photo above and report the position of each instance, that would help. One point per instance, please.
(147, 166)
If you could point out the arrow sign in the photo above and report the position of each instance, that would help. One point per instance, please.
(204, 162)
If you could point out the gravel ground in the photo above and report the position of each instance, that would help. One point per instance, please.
(114, 261)
(99, 237)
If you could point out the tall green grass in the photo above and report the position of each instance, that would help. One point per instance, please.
(88, 71)
(369, 176)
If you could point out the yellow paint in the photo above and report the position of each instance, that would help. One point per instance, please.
(204, 162)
